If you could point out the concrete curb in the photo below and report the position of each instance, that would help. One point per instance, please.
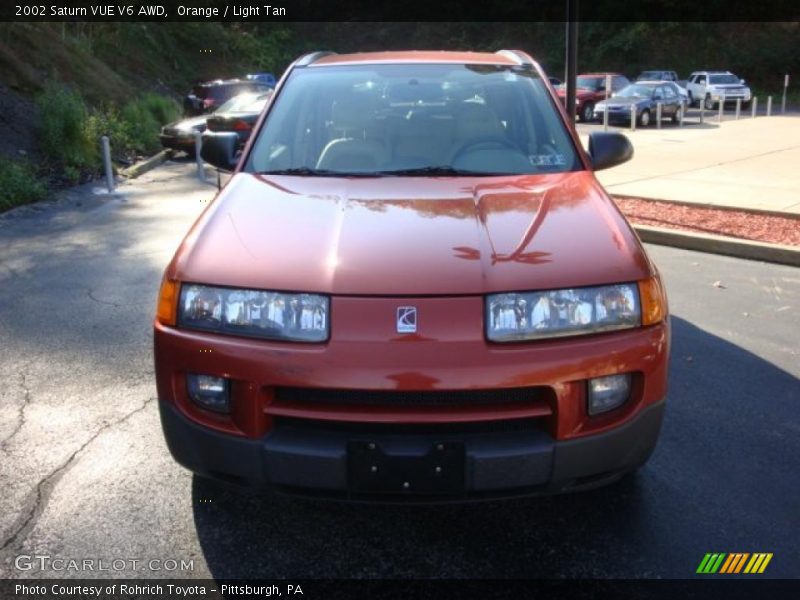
(727, 207)
(146, 165)
(716, 244)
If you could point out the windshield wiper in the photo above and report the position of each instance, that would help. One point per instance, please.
(434, 171)
(309, 172)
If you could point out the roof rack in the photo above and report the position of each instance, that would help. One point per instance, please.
(517, 56)
(312, 57)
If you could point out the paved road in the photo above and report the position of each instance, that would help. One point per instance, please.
(85, 472)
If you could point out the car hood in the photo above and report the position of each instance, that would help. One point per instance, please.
(410, 236)
(627, 101)
(189, 123)
(579, 93)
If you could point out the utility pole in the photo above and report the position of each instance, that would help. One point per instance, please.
(572, 56)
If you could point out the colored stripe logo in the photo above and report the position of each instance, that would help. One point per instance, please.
(733, 563)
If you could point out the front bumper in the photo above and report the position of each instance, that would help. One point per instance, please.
(301, 460)
(177, 142)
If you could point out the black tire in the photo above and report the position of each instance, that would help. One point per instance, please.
(691, 100)
(709, 103)
(676, 118)
(644, 118)
(587, 113)
(746, 104)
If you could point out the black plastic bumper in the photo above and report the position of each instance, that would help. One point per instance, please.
(510, 463)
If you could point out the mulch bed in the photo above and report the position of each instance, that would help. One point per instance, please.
(731, 223)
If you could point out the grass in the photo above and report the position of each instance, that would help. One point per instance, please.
(19, 184)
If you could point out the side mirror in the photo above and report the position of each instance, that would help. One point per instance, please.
(609, 149)
(219, 149)
(741, 81)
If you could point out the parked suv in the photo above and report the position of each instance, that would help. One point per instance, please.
(207, 97)
(713, 87)
(591, 89)
(413, 286)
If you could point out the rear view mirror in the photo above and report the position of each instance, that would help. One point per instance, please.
(609, 149)
(219, 149)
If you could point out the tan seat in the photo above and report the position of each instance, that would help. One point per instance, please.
(476, 123)
(353, 150)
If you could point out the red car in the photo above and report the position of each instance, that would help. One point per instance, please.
(591, 89)
(412, 287)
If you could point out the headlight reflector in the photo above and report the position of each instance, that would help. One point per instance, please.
(532, 315)
(255, 313)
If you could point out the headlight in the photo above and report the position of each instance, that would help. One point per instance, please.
(254, 313)
(533, 315)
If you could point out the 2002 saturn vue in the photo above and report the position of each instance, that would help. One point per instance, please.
(413, 287)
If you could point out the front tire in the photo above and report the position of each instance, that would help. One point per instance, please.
(644, 118)
(709, 103)
(691, 100)
(676, 118)
(587, 113)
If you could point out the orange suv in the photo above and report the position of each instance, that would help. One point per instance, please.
(412, 287)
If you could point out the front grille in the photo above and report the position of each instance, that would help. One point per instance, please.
(355, 428)
(410, 398)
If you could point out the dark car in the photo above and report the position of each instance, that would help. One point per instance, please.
(179, 135)
(643, 97)
(240, 116)
(206, 97)
(591, 89)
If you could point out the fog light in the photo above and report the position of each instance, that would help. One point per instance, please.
(608, 393)
(208, 392)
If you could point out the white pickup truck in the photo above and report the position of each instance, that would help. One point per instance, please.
(713, 87)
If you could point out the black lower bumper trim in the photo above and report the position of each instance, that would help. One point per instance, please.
(510, 463)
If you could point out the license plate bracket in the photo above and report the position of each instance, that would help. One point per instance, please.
(440, 470)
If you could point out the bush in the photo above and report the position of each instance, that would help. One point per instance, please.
(19, 184)
(62, 128)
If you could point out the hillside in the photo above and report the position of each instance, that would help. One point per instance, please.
(114, 73)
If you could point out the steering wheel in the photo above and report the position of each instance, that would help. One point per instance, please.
(496, 144)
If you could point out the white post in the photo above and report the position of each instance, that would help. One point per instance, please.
(658, 115)
(755, 105)
(198, 145)
(785, 87)
(107, 163)
(633, 117)
(769, 106)
(721, 108)
(605, 108)
(702, 112)
(681, 110)
(738, 107)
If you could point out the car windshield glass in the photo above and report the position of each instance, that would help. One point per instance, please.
(413, 120)
(590, 83)
(635, 89)
(727, 78)
(238, 103)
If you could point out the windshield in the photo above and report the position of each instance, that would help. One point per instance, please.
(590, 83)
(412, 119)
(727, 78)
(635, 89)
(243, 102)
(648, 75)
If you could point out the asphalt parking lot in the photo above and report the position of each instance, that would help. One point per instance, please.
(85, 471)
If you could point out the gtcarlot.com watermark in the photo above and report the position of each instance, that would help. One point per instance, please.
(45, 562)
